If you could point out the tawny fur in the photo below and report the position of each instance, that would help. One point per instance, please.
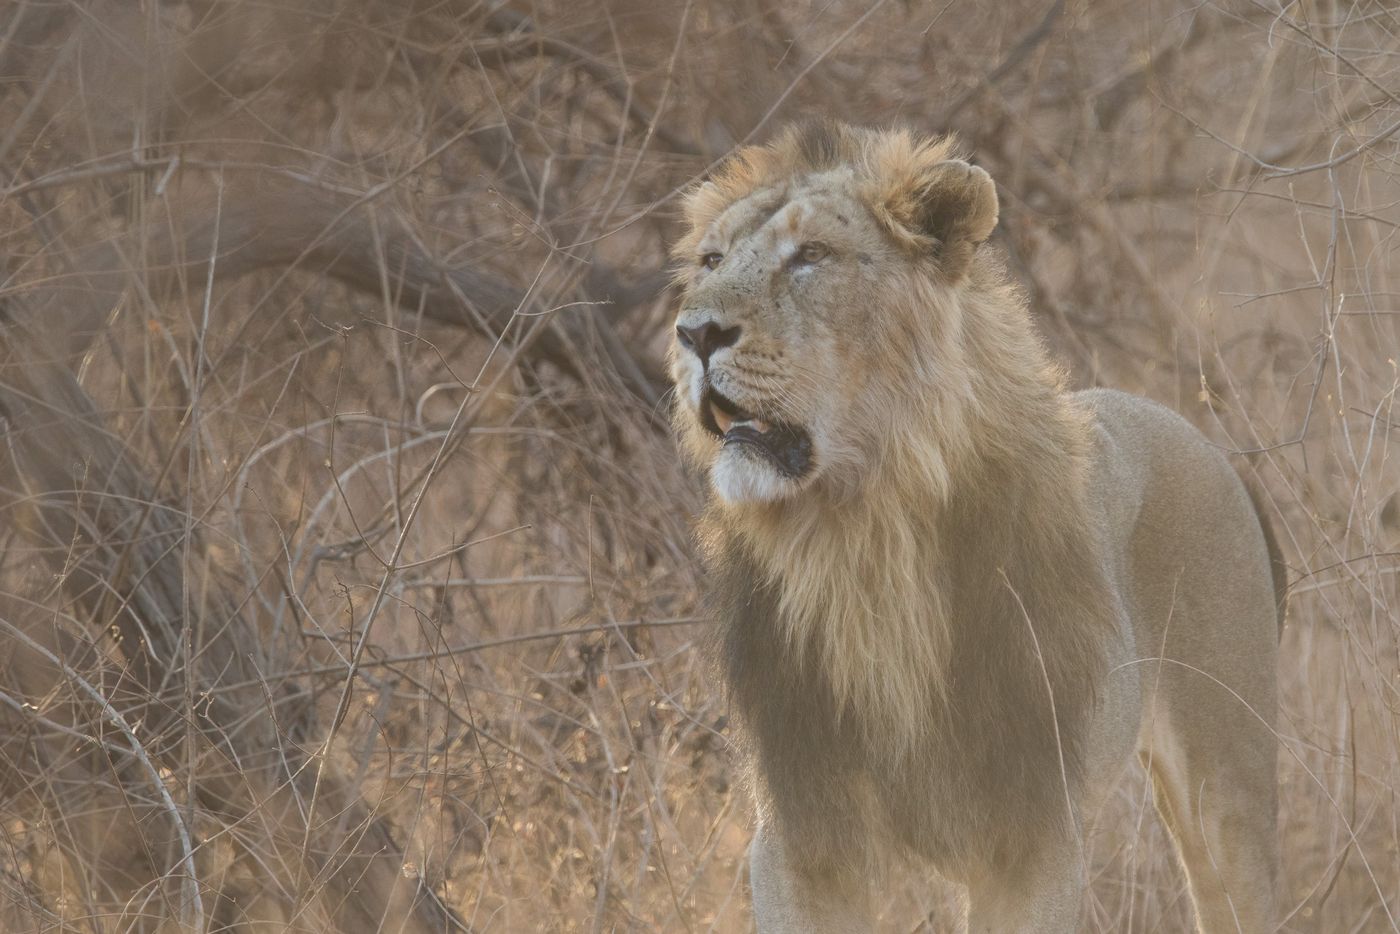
(937, 639)
(859, 550)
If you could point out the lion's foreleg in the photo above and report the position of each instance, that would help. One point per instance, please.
(789, 900)
(1042, 895)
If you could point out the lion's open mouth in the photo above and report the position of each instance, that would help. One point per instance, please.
(787, 447)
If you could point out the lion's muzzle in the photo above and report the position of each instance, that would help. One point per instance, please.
(785, 447)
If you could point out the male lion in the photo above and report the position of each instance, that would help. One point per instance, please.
(955, 597)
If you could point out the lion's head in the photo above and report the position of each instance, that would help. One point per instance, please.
(822, 314)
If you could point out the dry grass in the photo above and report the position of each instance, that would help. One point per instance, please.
(347, 582)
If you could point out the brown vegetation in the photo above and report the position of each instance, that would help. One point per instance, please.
(347, 581)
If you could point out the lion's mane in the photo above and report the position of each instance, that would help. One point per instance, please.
(944, 616)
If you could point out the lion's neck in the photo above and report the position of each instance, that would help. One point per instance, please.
(869, 587)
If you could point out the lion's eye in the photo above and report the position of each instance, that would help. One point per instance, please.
(711, 260)
(809, 253)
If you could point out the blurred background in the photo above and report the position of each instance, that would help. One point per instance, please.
(347, 582)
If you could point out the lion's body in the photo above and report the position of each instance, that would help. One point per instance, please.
(955, 598)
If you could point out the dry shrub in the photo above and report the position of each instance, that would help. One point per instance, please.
(347, 580)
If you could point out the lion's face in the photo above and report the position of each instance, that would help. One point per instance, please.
(796, 337)
(773, 337)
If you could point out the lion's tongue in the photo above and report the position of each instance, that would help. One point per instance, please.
(725, 421)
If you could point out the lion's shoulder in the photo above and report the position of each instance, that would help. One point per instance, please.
(1142, 443)
(1167, 495)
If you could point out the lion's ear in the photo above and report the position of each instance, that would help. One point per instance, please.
(958, 210)
(951, 207)
(959, 202)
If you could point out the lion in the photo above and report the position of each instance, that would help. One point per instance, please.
(954, 598)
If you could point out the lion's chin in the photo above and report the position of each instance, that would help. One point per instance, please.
(741, 475)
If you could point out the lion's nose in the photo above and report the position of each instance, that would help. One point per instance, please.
(705, 339)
